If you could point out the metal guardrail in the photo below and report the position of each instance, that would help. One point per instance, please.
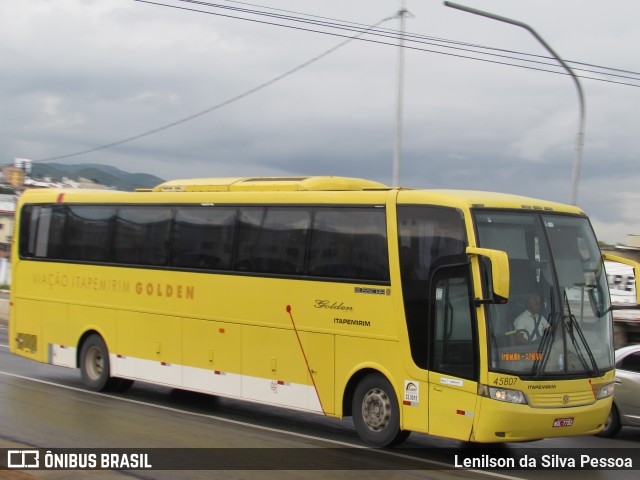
(4, 311)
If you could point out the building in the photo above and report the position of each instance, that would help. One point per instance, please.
(626, 323)
(13, 176)
(631, 249)
(7, 216)
(17, 177)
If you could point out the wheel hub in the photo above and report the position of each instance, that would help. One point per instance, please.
(376, 409)
(94, 363)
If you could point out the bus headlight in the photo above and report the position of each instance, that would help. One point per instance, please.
(502, 394)
(604, 391)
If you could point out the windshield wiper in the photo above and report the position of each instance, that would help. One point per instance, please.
(548, 337)
(573, 325)
(573, 329)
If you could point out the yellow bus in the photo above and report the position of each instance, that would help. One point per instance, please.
(402, 308)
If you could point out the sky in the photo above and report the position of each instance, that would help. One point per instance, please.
(249, 98)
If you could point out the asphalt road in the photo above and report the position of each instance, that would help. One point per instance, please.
(43, 406)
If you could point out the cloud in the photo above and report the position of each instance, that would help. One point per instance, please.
(82, 73)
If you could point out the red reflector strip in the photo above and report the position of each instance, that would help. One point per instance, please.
(595, 395)
(60, 197)
(461, 412)
(280, 382)
(218, 372)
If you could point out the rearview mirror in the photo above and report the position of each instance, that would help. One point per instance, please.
(497, 264)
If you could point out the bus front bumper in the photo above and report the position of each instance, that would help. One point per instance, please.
(506, 422)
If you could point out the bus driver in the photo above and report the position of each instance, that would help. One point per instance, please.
(530, 324)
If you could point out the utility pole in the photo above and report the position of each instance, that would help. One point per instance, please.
(397, 150)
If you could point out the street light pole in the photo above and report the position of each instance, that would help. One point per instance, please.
(397, 149)
(580, 137)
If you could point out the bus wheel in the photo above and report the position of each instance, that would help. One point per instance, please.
(94, 364)
(376, 413)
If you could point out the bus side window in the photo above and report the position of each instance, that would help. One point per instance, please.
(272, 240)
(29, 221)
(42, 231)
(142, 235)
(349, 243)
(283, 240)
(88, 232)
(203, 237)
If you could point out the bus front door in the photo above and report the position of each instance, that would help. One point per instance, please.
(453, 355)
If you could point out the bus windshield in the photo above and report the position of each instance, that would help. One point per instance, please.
(557, 319)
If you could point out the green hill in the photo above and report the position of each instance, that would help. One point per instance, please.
(103, 174)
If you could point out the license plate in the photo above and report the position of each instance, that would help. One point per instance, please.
(563, 422)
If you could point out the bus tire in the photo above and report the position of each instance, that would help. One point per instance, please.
(94, 364)
(376, 413)
(612, 426)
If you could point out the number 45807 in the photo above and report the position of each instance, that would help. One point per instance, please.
(505, 381)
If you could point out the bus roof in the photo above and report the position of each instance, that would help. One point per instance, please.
(364, 191)
(269, 184)
(479, 199)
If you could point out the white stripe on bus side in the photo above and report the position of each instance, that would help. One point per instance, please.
(263, 390)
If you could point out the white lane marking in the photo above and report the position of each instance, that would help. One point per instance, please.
(257, 427)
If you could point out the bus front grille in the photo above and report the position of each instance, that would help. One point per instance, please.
(569, 399)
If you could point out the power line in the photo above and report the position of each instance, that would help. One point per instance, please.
(435, 39)
(395, 35)
(350, 27)
(360, 30)
(217, 106)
